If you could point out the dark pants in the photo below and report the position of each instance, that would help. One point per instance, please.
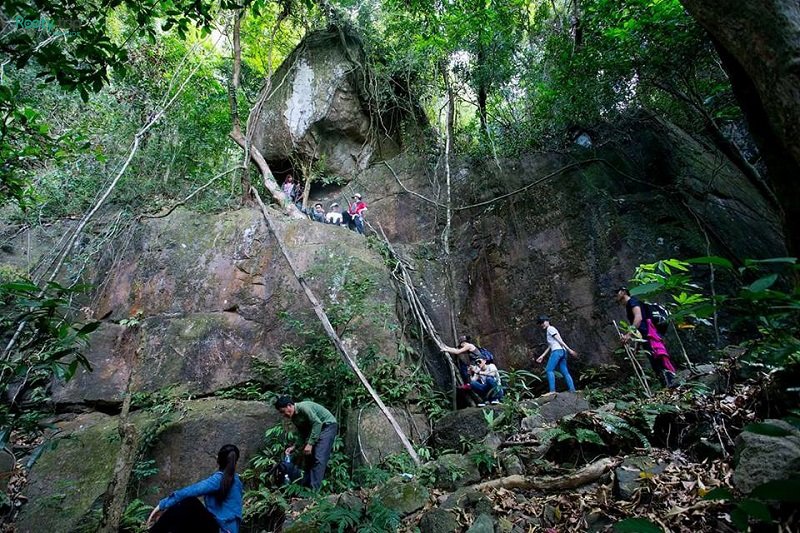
(317, 462)
(658, 365)
(188, 516)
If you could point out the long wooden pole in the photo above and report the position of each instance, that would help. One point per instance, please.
(328, 327)
(637, 368)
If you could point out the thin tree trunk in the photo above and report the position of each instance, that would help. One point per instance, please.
(448, 144)
(118, 487)
(759, 44)
(250, 152)
(328, 327)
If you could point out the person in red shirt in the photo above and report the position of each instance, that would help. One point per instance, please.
(356, 211)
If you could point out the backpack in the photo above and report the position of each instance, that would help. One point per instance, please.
(660, 317)
(487, 354)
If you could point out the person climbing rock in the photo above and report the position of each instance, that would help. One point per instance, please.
(182, 512)
(316, 431)
(558, 355)
(356, 212)
(638, 317)
(334, 216)
(486, 381)
(467, 353)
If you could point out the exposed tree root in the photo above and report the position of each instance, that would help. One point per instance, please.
(587, 474)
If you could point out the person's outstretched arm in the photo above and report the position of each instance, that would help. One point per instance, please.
(541, 357)
(458, 351)
(210, 485)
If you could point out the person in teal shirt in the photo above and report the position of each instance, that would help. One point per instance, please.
(182, 512)
(316, 431)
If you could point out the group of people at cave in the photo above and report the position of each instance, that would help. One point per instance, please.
(352, 217)
(305, 462)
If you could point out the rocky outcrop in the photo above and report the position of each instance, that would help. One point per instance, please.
(562, 246)
(196, 298)
(370, 438)
(67, 484)
(771, 454)
(316, 112)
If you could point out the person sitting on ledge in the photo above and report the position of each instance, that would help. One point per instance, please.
(334, 216)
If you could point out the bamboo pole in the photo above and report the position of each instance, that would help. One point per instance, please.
(328, 327)
(637, 368)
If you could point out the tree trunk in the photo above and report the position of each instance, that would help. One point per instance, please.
(482, 89)
(759, 44)
(233, 98)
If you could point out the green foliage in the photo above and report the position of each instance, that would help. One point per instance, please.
(47, 344)
(764, 302)
(637, 525)
(134, 516)
(519, 384)
(755, 508)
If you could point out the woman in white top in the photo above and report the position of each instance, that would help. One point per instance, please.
(558, 355)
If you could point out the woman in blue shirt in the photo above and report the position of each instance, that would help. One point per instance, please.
(182, 512)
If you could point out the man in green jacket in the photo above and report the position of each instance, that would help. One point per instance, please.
(316, 430)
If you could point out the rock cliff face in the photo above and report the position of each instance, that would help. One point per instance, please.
(188, 303)
(191, 301)
(556, 233)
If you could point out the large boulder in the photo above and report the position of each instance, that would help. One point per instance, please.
(196, 298)
(463, 426)
(68, 481)
(451, 471)
(186, 448)
(370, 438)
(403, 495)
(555, 406)
(766, 457)
(438, 521)
(316, 112)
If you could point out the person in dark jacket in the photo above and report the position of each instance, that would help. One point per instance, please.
(316, 431)
(638, 317)
(182, 512)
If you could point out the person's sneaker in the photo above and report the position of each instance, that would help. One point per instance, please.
(495, 402)
(481, 404)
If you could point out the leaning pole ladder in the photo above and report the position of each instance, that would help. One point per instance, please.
(637, 368)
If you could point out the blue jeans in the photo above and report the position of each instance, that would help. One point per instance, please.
(558, 358)
(488, 390)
